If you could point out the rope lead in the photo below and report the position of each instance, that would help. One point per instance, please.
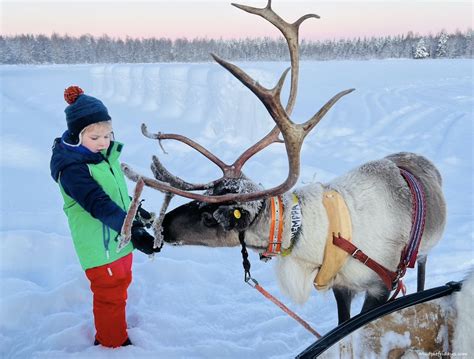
(254, 284)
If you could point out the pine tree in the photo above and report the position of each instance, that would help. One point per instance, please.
(442, 47)
(420, 51)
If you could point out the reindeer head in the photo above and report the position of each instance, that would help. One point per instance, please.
(233, 202)
(196, 222)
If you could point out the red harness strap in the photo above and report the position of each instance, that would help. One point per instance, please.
(388, 277)
(393, 280)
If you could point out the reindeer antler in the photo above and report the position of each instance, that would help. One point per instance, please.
(293, 134)
(290, 33)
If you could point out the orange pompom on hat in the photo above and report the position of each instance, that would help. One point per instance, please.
(71, 94)
(83, 110)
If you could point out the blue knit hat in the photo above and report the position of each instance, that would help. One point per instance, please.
(83, 110)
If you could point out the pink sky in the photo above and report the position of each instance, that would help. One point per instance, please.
(215, 19)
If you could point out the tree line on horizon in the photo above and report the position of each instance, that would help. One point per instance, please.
(87, 49)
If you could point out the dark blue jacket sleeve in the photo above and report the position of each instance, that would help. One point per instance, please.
(79, 185)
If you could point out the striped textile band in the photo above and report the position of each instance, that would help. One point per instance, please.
(418, 218)
(276, 228)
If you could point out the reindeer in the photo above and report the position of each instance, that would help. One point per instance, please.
(371, 207)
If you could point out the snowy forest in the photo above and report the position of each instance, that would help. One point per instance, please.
(87, 49)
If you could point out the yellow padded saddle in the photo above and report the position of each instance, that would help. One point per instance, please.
(339, 222)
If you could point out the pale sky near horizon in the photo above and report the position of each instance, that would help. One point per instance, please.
(216, 18)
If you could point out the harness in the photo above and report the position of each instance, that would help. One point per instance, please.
(338, 244)
(393, 279)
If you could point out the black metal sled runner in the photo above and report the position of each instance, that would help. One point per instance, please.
(360, 320)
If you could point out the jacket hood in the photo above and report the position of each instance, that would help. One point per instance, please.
(65, 155)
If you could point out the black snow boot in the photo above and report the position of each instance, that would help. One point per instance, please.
(125, 343)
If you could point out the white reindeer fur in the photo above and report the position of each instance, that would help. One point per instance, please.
(464, 326)
(379, 203)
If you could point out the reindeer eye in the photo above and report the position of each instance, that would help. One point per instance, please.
(208, 219)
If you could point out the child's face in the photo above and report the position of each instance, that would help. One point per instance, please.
(97, 137)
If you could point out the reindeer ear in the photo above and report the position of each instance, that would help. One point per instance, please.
(231, 217)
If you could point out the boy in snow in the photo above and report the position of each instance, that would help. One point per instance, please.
(85, 165)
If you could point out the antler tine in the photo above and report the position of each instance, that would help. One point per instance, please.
(311, 123)
(271, 137)
(170, 136)
(290, 33)
(163, 175)
(156, 184)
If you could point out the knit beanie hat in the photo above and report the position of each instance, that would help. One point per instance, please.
(83, 110)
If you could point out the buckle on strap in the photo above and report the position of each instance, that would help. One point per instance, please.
(361, 256)
(354, 254)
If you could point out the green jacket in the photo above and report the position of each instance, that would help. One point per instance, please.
(95, 242)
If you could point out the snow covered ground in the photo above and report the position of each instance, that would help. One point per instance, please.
(191, 302)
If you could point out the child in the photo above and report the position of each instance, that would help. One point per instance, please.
(85, 165)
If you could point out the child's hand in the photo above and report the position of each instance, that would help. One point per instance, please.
(142, 240)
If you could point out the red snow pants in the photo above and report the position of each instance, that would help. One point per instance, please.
(109, 285)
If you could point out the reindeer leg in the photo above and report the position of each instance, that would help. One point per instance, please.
(343, 299)
(373, 301)
(420, 282)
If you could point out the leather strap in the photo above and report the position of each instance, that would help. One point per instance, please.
(388, 277)
(392, 280)
(339, 222)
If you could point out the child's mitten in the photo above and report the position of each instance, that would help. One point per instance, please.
(142, 240)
